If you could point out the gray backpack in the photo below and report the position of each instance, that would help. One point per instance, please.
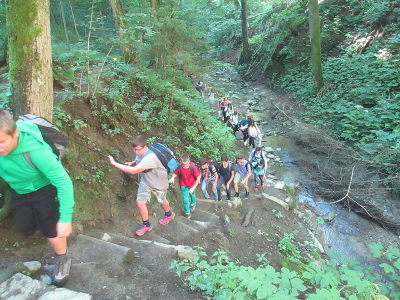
(50, 133)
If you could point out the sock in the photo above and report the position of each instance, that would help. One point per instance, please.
(168, 213)
(146, 223)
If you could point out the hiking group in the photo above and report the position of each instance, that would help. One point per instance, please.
(42, 195)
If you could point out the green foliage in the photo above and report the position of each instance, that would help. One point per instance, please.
(362, 107)
(221, 278)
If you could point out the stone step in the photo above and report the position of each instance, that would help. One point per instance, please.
(90, 249)
(198, 225)
(22, 287)
(147, 251)
(205, 216)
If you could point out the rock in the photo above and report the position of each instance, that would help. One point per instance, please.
(279, 185)
(236, 202)
(329, 216)
(269, 155)
(21, 287)
(268, 149)
(278, 149)
(32, 266)
(106, 237)
(65, 294)
(278, 159)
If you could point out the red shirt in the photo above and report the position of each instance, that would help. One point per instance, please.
(187, 177)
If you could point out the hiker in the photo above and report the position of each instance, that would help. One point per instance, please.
(199, 87)
(243, 127)
(259, 169)
(189, 178)
(35, 187)
(211, 98)
(210, 177)
(242, 175)
(254, 133)
(224, 105)
(227, 174)
(234, 122)
(258, 161)
(153, 179)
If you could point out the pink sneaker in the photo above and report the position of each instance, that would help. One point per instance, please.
(263, 186)
(166, 219)
(142, 230)
(256, 189)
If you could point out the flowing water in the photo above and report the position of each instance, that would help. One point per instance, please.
(348, 234)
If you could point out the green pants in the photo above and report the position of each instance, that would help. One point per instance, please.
(187, 198)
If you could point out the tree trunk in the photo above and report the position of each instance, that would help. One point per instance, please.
(154, 4)
(315, 40)
(118, 14)
(245, 57)
(64, 24)
(30, 63)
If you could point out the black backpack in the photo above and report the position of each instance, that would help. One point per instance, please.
(215, 164)
(51, 135)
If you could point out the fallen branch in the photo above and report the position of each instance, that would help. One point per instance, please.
(247, 218)
(276, 200)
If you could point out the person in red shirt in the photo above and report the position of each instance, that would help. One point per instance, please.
(189, 179)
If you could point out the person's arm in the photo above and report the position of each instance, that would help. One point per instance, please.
(48, 164)
(228, 184)
(193, 188)
(248, 175)
(125, 168)
(172, 180)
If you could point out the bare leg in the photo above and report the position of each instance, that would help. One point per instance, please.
(142, 208)
(165, 206)
(58, 244)
(236, 187)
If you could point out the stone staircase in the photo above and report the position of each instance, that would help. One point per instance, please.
(108, 265)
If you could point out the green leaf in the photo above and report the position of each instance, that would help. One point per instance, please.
(387, 268)
(266, 291)
(376, 249)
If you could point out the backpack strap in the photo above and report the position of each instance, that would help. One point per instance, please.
(28, 159)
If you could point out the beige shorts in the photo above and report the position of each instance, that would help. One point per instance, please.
(238, 178)
(144, 193)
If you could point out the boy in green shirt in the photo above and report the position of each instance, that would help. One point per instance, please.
(35, 190)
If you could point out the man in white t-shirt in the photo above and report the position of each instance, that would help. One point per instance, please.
(153, 179)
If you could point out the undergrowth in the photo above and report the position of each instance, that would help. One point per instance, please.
(221, 278)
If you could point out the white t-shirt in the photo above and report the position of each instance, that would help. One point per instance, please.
(155, 176)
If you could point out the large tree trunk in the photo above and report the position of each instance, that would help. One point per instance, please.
(245, 57)
(154, 4)
(315, 40)
(30, 63)
(119, 13)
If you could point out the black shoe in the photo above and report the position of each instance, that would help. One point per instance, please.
(61, 270)
(247, 195)
(236, 194)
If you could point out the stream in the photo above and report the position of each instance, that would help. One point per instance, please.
(348, 234)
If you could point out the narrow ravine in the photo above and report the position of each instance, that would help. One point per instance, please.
(346, 232)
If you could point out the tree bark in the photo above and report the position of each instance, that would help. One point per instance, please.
(30, 62)
(154, 4)
(64, 23)
(245, 57)
(118, 14)
(315, 41)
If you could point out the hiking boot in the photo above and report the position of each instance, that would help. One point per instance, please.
(61, 270)
(192, 207)
(247, 195)
(256, 189)
(142, 230)
(236, 194)
(166, 219)
(188, 215)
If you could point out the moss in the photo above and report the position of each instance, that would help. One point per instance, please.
(23, 30)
